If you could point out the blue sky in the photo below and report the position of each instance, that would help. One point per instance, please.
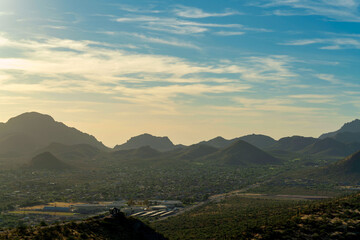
(191, 70)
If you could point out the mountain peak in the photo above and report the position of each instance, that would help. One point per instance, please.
(219, 138)
(243, 153)
(30, 131)
(259, 140)
(147, 136)
(352, 127)
(219, 142)
(47, 161)
(29, 117)
(157, 143)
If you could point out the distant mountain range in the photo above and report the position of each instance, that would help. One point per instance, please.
(32, 133)
(260, 141)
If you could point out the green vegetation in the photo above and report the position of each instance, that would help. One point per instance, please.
(260, 218)
(331, 219)
(228, 219)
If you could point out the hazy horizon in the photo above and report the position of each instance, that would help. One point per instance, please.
(189, 143)
(189, 71)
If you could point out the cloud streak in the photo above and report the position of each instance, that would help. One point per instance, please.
(182, 27)
(328, 43)
(171, 42)
(192, 12)
(65, 66)
(338, 10)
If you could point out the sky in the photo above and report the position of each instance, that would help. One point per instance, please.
(190, 70)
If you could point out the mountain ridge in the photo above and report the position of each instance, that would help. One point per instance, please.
(162, 144)
(353, 126)
(35, 131)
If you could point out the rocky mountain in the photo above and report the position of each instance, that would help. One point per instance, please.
(140, 153)
(349, 165)
(47, 161)
(76, 154)
(353, 127)
(348, 137)
(219, 142)
(31, 131)
(158, 143)
(243, 154)
(194, 152)
(294, 143)
(258, 140)
(332, 147)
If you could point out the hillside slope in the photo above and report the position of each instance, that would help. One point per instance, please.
(258, 140)
(47, 161)
(332, 219)
(353, 127)
(100, 228)
(332, 147)
(195, 151)
(243, 154)
(253, 217)
(141, 153)
(349, 167)
(294, 143)
(219, 142)
(72, 153)
(348, 137)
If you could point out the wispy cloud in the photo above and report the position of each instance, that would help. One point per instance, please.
(65, 66)
(224, 33)
(171, 42)
(265, 69)
(339, 10)
(330, 78)
(192, 12)
(179, 26)
(314, 98)
(137, 9)
(55, 27)
(6, 13)
(276, 104)
(330, 43)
